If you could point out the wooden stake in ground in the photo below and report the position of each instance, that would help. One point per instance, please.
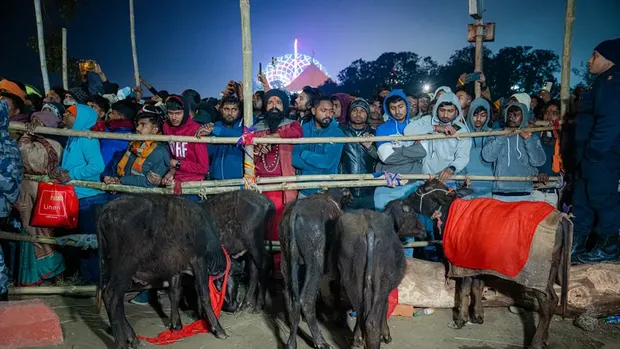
(134, 52)
(41, 40)
(248, 118)
(566, 55)
(65, 74)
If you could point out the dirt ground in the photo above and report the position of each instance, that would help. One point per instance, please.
(83, 328)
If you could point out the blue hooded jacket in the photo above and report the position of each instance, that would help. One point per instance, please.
(398, 156)
(514, 156)
(322, 158)
(226, 160)
(477, 166)
(82, 156)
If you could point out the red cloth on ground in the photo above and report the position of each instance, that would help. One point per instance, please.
(392, 302)
(490, 234)
(198, 326)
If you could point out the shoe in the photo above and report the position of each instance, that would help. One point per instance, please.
(141, 299)
(607, 250)
(578, 248)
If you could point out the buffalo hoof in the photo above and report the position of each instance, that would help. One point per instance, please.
(220, 334)
(358, 342)
(386, 339)
(177, 327)
(322, 346)
(479, 320)
(457, 324)
(136, 344)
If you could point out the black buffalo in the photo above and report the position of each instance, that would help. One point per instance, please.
(241, 219)
(303, 231)
(434, 197)
(367, 259)
(151, 239)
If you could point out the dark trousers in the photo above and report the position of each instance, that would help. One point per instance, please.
(596, 198)
(87, 224)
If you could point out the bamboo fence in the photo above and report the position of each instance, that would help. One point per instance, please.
(41, 42)
(134, 52)
(18, 126)
(566, 56)
(248, 117)
(65, 74)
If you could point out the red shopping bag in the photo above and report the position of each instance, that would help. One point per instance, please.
(57, 207)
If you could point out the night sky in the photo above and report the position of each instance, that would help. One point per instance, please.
(197, 43)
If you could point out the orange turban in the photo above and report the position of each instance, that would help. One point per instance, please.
(12, 87)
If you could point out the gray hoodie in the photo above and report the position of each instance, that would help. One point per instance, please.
(514, 156)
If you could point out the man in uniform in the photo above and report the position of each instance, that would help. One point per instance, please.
(597, 139)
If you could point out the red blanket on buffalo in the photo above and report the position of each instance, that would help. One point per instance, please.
(489, 234)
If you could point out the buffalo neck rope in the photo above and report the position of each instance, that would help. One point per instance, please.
(437, 213)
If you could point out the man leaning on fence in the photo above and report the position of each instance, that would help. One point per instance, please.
(359, 158)
(318, 158)
(10, 180)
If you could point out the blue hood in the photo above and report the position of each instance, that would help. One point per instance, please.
(400, 94)
(478, 102)
(85, 119)
(524, 110)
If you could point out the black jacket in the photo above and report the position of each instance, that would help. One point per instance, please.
(356, 159)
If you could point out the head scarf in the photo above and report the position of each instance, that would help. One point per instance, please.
(13, 88)
(48, 118)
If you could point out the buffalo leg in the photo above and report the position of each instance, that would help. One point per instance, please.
(478, 311)
(374, 324)
(547, 301)
(249, 301)
(113, 295)
(291, 288)
(308, 296)
(263, 264)
(205, 299)
(358, 340)
(385, 332)
(174, 293)
(463, 293)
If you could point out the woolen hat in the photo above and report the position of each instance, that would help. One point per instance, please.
(610, 49)
(283, 95)
(56, 108)
(359, 103)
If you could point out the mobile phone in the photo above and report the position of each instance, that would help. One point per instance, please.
(456, 127)
(548, 86)
(260, 68)
(473, 77)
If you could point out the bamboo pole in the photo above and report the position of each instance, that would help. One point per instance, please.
(134, 52)
(248, 118)
(479, 53)
(46, 290)
(566, 57)
(41, 40)
(270, 245)
(65, 74)
(18, 126)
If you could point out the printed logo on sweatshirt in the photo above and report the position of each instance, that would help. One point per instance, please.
(178, 149)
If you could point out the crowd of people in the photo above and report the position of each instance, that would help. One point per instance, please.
(584, 152)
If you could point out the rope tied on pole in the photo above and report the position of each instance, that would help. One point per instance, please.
(391, 179)
(247, 138)
(84, 241)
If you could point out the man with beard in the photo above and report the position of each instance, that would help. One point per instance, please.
(423, 103)
(322, 158)
(190, 161)
(274, 160)
(359, 158)
(516, 155)
(376, 116)
(304, 102)
(226, 159)
(257, 103)
(413, 110)
(446, 157)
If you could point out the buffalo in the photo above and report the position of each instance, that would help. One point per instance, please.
(434, 199)
(367, 259)
(241, 219)
(304, 230)
(151, 239)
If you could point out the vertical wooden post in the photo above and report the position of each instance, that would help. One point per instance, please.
(248, 117)
(479, 52)
(65, 74)
(566, 56)
(41, 40)
(136, 72)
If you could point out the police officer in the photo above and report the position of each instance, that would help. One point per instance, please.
(597, 139)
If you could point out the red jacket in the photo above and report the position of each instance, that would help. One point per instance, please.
(193, 156)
